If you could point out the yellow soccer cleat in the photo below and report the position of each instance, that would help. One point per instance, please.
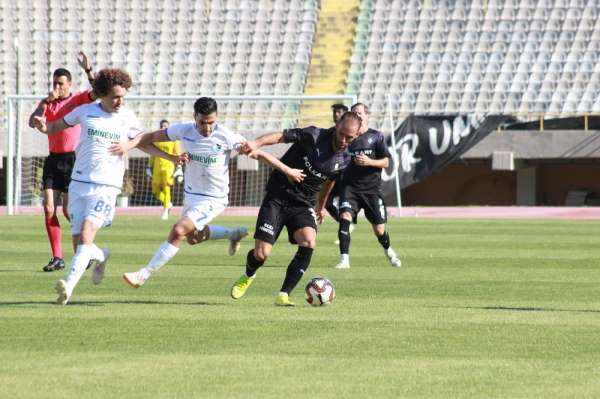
(283, 299)
(241, 286)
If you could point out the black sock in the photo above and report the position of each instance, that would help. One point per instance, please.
(384, 240)
(296, 269)
(344, 236)
(252, 264)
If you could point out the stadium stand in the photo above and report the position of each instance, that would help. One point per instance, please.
(175, 47)
(498, 56)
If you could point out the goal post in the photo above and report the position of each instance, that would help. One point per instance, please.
(250, 116)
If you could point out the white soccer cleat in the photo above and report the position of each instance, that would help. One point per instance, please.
(343, 265)
(100, 267)
(234, 240)
(134, 279)
(165, 213)
(393, 258)
(63, 292)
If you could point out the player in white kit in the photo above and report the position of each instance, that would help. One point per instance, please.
(97, 174)
(208, 146)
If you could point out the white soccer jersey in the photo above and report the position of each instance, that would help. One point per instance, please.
(99, 130)
(207, 172)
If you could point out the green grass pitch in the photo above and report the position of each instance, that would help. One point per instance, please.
(480, 308)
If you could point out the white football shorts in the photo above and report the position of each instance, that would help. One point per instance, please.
(93, 202)
(201, 210)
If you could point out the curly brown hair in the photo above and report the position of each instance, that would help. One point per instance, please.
(108, 78)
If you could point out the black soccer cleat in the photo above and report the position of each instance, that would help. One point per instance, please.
(54, 265)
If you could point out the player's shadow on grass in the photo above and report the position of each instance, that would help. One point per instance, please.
(529, 309)
(104, 303)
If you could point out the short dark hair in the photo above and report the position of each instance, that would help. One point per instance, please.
(62, 72)
(336, 107)
(351, 115)
(365, 106)
(108, 78)
(163, 121)
(205, 106)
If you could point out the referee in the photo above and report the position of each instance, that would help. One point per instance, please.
(59, 163)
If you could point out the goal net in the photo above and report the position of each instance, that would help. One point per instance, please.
(250, 116)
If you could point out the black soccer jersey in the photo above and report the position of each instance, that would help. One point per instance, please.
(312, 151)
(365, 179)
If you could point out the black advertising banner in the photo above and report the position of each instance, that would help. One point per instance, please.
(426, 144)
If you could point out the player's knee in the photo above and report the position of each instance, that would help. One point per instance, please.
(378, 229)
(261, 254)
(179, 231)
(307, 242)
(346, 216)
(49, 210)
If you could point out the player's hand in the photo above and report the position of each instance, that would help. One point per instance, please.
(181, 159)
(119, 147)
(83, 61)
(321, 215)
(294, 175)
(149, 172)
(40, 124)
(178, 174)
(247, 147)
(362, 160)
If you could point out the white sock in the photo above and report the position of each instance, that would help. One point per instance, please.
(96, 253)
(345, 258)
(78, 265)
(219, 232)
(164, 253)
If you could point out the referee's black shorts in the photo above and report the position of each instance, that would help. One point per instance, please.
(57, 171)
(276, 213)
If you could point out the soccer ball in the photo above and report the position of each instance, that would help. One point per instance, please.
(319, 291)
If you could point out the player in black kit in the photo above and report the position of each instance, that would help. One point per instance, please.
(322, 155)
(360, 188)
(333, 200)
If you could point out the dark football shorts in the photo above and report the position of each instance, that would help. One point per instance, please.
(375, 210)
(57, 171)
(332, 206)
(276, 213)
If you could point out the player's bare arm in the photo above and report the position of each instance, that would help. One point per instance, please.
(322, 199)
(141, 140)
(86, 65)
(293, 175)
(49, 128)
(41, 108)
(265, 139)
(363, 160)
(151, 149)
